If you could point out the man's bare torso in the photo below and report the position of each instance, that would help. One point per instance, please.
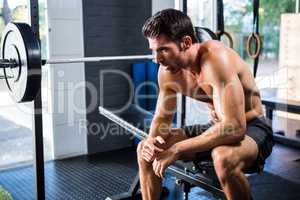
(197, 84)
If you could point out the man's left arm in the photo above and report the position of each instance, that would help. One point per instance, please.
(228, 92)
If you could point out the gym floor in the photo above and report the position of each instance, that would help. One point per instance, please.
(105, 174)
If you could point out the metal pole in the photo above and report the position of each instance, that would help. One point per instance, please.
(297, 6)
(183, 98)
(184, 6)
(213, 11)
(96, 59)
(127, 126)
(38, 147)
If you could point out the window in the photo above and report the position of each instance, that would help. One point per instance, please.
(238, 22)
(201, 14)
(16, 119)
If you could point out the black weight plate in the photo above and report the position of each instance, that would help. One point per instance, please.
(19, 43)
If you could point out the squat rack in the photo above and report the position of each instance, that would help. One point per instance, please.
(38, 147)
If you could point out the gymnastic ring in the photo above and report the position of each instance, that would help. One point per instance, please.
(256, 38)
(219, 34)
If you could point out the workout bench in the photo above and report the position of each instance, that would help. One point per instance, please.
(188, 174)
(274, 103)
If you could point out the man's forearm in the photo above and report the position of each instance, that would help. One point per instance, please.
(160, 127)
(218, 134)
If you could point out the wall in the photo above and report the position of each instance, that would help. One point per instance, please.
(74, 91)
(111, 28)
(64, 94)
(158, 5)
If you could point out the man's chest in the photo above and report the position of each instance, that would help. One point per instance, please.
(196, 87)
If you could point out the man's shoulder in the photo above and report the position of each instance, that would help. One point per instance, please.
(218, 62)
(212, 45)
(166, 80)
(167, 75)
(213, 53)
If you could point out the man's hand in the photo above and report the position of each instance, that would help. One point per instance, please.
(153, 146)
(163, 160)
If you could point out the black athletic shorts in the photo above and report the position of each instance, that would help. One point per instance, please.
(258, 129)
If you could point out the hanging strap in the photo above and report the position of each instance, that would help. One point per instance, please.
(220, 18)
(256, 24)
(255, 37)
(220, 23)
(183, 98)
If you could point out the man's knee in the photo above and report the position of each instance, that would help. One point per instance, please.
(225, 163)
(141, 162)
(139, 150)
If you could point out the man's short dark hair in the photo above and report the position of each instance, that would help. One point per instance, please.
(170, 22)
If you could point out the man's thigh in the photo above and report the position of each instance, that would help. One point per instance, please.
(243, 154)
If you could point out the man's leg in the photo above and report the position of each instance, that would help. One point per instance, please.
(150, 183)
(229, 161)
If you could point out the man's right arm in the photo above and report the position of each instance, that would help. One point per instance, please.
(162, 120)
(161, 123)
(165, 106)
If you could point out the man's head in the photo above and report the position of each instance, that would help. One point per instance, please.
(170, 33)
(172, 23)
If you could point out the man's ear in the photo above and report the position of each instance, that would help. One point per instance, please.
(186, 42)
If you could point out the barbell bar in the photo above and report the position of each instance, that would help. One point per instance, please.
(21, 61)
(124, 124)
(96, 59)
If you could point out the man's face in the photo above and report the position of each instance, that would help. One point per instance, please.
(166, 53)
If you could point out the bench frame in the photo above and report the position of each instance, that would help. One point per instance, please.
(272, 104)
(182, 171)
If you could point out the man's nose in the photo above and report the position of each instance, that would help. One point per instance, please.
(157, 58)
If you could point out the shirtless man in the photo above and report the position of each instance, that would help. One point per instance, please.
(239, 137)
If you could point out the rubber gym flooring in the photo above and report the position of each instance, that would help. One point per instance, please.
(101, 175)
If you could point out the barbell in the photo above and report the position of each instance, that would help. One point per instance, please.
(124, 124)
(21, 61)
